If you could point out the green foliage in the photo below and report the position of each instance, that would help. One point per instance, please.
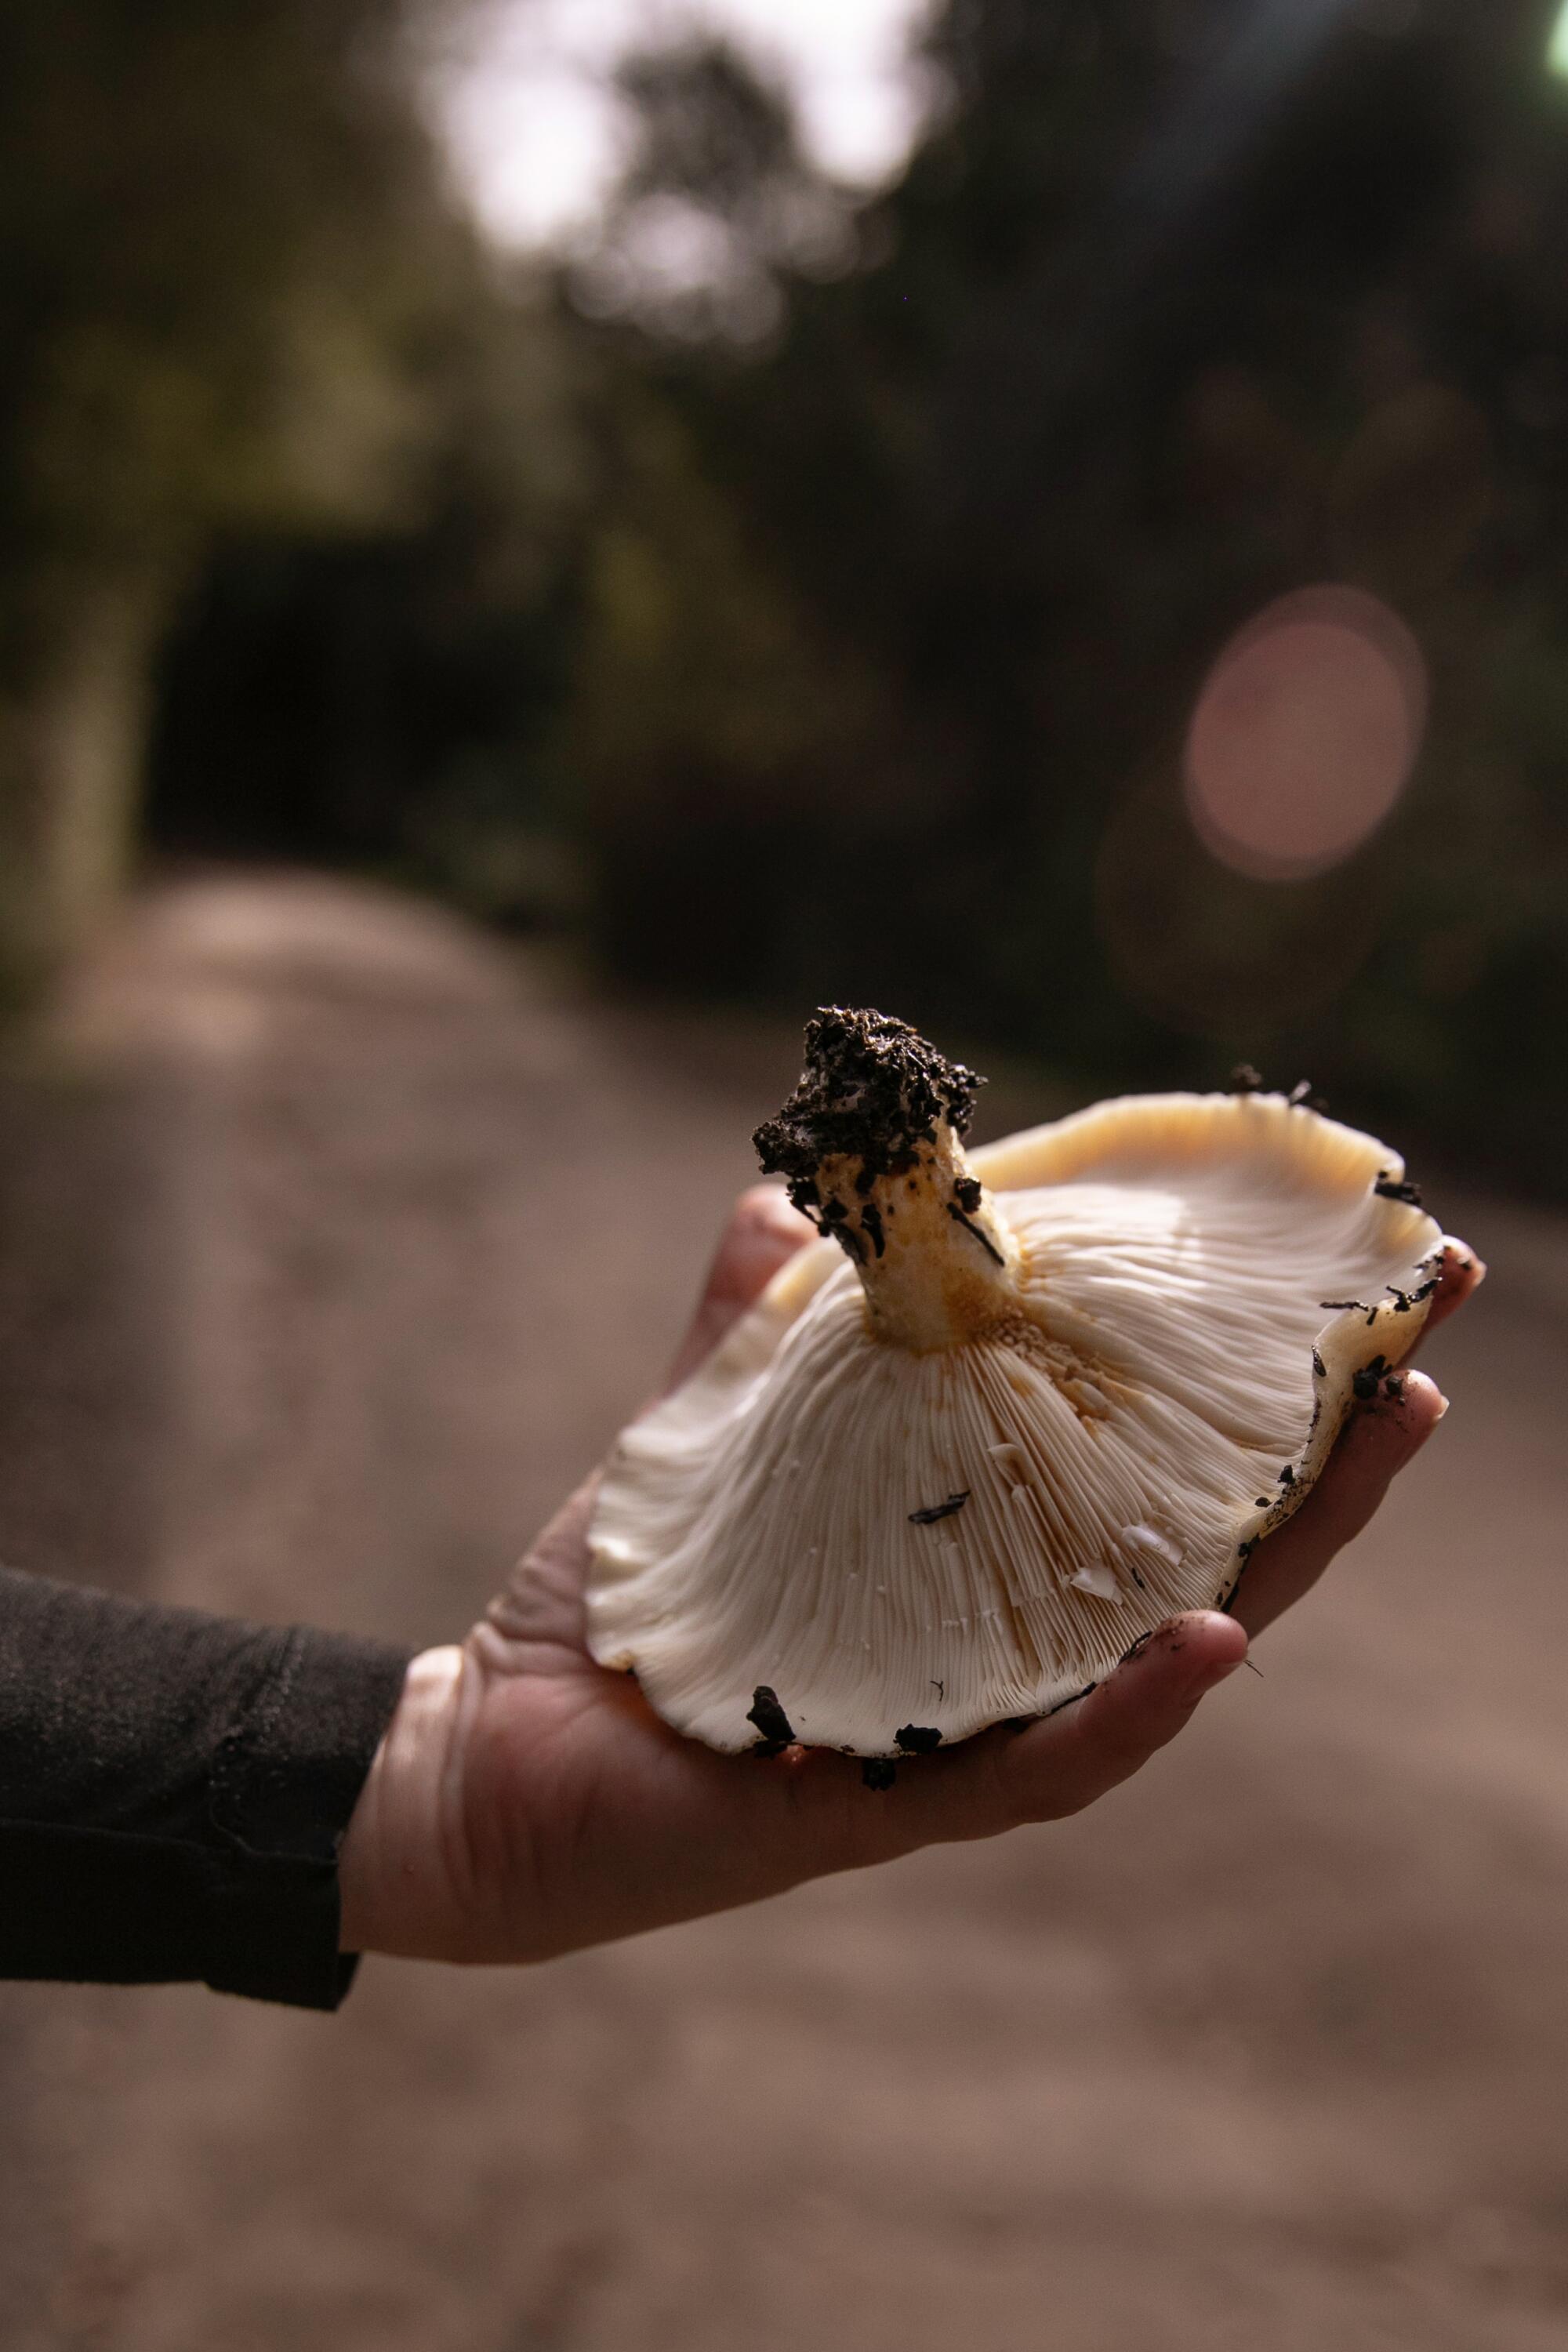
(817, 590)
(382, 696)
(711, 721)
(1175, 308)
(228, 276)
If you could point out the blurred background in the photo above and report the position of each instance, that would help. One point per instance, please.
(540, 540)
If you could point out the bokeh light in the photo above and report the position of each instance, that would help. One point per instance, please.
(1305, 733)
(1557, 48)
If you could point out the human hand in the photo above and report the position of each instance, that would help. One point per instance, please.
(525, 1802)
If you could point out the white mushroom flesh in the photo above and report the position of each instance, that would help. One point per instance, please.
(903, 1516)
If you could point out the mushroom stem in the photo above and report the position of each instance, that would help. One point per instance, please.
(871, 1142)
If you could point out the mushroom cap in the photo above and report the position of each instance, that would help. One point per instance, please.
(901, 1545)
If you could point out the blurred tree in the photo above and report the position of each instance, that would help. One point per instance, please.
(716, 207)
(382, 694)
(226, 252)
(714, 741)
(839, 575)
(1175, 308)
(718, 731)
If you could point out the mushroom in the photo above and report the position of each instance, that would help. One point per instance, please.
(1011, 1411)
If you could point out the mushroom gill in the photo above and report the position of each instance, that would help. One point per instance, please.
(1009, 1413)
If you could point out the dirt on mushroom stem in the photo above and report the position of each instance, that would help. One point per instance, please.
(871, 1142)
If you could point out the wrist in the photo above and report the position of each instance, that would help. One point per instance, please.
(396, 1877)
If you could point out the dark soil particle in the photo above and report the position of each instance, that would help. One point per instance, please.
(773, 1724)
(1389, 1188)
(832, 1217)
(1319, 1366)
(1365, 1383)
(959, 1218)
(929, 1516)
(918, 1739)
(1072, 1699)
(878, 1771)
(872, 1089)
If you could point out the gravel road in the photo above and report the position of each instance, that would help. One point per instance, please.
(336, 1245)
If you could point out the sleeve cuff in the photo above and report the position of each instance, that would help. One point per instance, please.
(285, 1782)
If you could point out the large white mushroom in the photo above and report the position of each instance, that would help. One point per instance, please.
(1010, 1413)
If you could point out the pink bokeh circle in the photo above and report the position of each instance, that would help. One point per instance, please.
(1305, 733)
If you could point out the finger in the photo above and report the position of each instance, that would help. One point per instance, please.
(1042, 1772)
(1064, 1763)
(1375, 1445)
(763, 1230)
(1460, 1275)
(1377, 1442)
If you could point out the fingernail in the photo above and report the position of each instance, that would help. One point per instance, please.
(1202, 1672)
(1442, 1407)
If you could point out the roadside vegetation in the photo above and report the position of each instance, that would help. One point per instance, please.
(822, 622)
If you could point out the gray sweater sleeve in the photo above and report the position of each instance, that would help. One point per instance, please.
(173, 1789)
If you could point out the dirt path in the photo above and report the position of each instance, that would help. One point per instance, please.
(337, 1254)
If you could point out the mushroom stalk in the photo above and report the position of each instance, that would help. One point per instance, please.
(872, 1143)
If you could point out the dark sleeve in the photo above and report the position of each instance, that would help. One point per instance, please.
(173, 1789)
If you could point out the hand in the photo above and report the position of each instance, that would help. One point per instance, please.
(525, 1802)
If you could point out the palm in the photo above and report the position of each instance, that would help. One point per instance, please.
(567, 1814)
(588, 1817)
